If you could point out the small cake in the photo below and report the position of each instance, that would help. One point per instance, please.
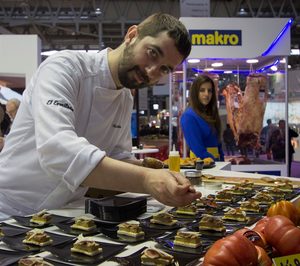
(267, 179)
(41, 218)
(283, 180)
(187, 210)
(83, 223)
(208, 161)
(87, 246)
(263, 197)
(250, 205)
(246, 184)
(276, 192)
(131, 228)
(37, 237)
(237, 190)
(286, 187)
(235, 214)
(163, 218)
(209, 222)
(224, 195)
(153, 256)
(33, 261)
(187, 239)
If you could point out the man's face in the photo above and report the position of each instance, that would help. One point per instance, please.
(145, 61)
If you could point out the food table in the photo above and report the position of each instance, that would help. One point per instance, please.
(77, 209)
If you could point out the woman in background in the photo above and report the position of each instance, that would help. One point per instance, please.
(201, 123)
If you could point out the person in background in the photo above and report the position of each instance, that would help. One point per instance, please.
(265, 134)
(72, 130)
(200, 122)
(229, 141)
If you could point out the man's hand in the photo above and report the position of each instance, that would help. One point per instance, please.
(170, 188)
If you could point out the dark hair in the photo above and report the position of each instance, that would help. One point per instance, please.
(209, 113)
(160, 22)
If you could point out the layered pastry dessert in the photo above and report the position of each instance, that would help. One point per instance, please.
(163, 218)
(224, 195)
(37, 237)
(286, 187)
(187, 239)
(263, 197)
(246, 184)
(87, 246)
(187, 210)
(41, 218)
(153, 256)
(237, 190)
(34, 261)
(83, 223)
(209, 222)
(131, 228)
(276, 192)
(235, 214)
(267, 179)
(250, 205)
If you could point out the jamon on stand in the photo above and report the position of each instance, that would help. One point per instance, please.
(245, 110)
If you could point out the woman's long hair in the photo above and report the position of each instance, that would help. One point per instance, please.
(209, 113)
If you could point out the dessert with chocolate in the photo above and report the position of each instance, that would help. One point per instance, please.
(41, 218)
(83, 223)
(187, 210)
(131, 228)
(187, 239)
(263, 197)
(209, 222)
(33, 261)
(235, 214)
(153, 256)
(87, 246)
(224, 195)
(37, 237)
(250, 205)
(163, 218)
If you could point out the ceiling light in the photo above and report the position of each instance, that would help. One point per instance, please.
(274, 68)
(208, 69)
(217, 64)
(228, 72)
(295, 52)
(252, 61)
(193, 60)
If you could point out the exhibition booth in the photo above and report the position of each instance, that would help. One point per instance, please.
(231, 51)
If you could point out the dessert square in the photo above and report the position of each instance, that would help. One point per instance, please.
(163, 218)
(87, 246)
(188, 239)
(153, 256)
(209, 222)
(41, 218)
(37, 237)
(84, 223)
(131, 228)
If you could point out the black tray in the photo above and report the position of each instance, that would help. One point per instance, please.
(116, 209)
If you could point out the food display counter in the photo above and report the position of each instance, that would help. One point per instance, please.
(127, 252)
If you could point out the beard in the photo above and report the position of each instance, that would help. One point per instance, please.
(127, 71)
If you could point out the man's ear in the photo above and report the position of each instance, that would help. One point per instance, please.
(131, 34)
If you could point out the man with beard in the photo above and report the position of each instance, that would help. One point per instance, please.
(72, 130)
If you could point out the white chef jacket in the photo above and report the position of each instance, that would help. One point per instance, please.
(70, 117)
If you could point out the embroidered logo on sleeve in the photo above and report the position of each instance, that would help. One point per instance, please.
(60, 103)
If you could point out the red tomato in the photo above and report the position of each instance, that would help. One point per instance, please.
(283, 235)
(233, 250)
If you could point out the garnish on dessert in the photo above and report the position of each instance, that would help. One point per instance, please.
(37, 237)
(153, 256)
(84, 223)
(87, 246)
(41, 218)
(131, 228)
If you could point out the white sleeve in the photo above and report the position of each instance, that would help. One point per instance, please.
(61, 152)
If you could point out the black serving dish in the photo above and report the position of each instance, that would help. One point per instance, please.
(12, 230)
(63, 252)
(116, 209)
(66, 227)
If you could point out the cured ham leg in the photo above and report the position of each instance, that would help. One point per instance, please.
(245, 111)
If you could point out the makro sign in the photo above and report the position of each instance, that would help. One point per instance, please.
(216, 37)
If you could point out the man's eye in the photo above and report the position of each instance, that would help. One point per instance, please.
(165, 70)
(152, 53)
